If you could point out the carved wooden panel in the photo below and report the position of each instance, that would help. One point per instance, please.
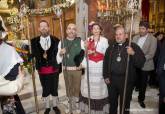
(68, 17)
(108, 30)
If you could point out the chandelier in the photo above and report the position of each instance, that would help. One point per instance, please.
(116, 11)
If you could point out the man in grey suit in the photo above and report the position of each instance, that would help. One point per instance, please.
(148, 43)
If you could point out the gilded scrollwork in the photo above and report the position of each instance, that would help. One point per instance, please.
(6, 9)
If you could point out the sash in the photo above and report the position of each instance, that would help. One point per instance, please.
(96, 57)
(47, 70)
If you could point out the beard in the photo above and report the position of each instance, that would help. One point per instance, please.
(44, 34)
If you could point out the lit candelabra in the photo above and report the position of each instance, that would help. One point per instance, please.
(116, 11)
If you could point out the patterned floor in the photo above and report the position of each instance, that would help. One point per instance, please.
(28, 99)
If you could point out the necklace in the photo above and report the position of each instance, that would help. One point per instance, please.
(46, 48)
(118, 58)
(95, 48)
(69, 47)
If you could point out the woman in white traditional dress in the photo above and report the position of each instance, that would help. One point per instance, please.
(96, 46)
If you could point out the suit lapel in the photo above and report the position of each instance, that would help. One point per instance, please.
(146, 44)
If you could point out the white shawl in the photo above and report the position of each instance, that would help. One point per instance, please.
(8, 58)
(8, 88)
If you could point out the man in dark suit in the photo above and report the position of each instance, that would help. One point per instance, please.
(161, 74)
(114, 69)
(44, 49)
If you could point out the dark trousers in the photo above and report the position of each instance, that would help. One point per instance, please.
(141, 83)
(49, 84)
(153, 79)
(161, 74)
(116, 89)
(161, 106)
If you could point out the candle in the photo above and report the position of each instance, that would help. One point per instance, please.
(102, 8)
(118, 3)
(154, 7)
(107, 3)
(140, 4)
(99, 6)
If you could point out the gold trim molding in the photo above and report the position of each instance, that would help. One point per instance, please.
(12, 11)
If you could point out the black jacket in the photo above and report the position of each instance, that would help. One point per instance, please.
(38, 52)
(109, 65)
(161, 57)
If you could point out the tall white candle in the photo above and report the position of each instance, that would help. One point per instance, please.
(118, 3)
(107, 3)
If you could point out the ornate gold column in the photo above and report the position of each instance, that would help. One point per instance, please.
(156, 15)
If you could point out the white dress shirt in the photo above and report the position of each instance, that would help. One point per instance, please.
(45, 42)
(142, 40)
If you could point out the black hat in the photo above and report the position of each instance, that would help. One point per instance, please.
(144, 23)
(1, 27)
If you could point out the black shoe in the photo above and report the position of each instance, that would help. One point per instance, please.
(47, 111)
(56, 110)
(141, 103)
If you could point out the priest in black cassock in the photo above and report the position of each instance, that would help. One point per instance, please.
(114, 69)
